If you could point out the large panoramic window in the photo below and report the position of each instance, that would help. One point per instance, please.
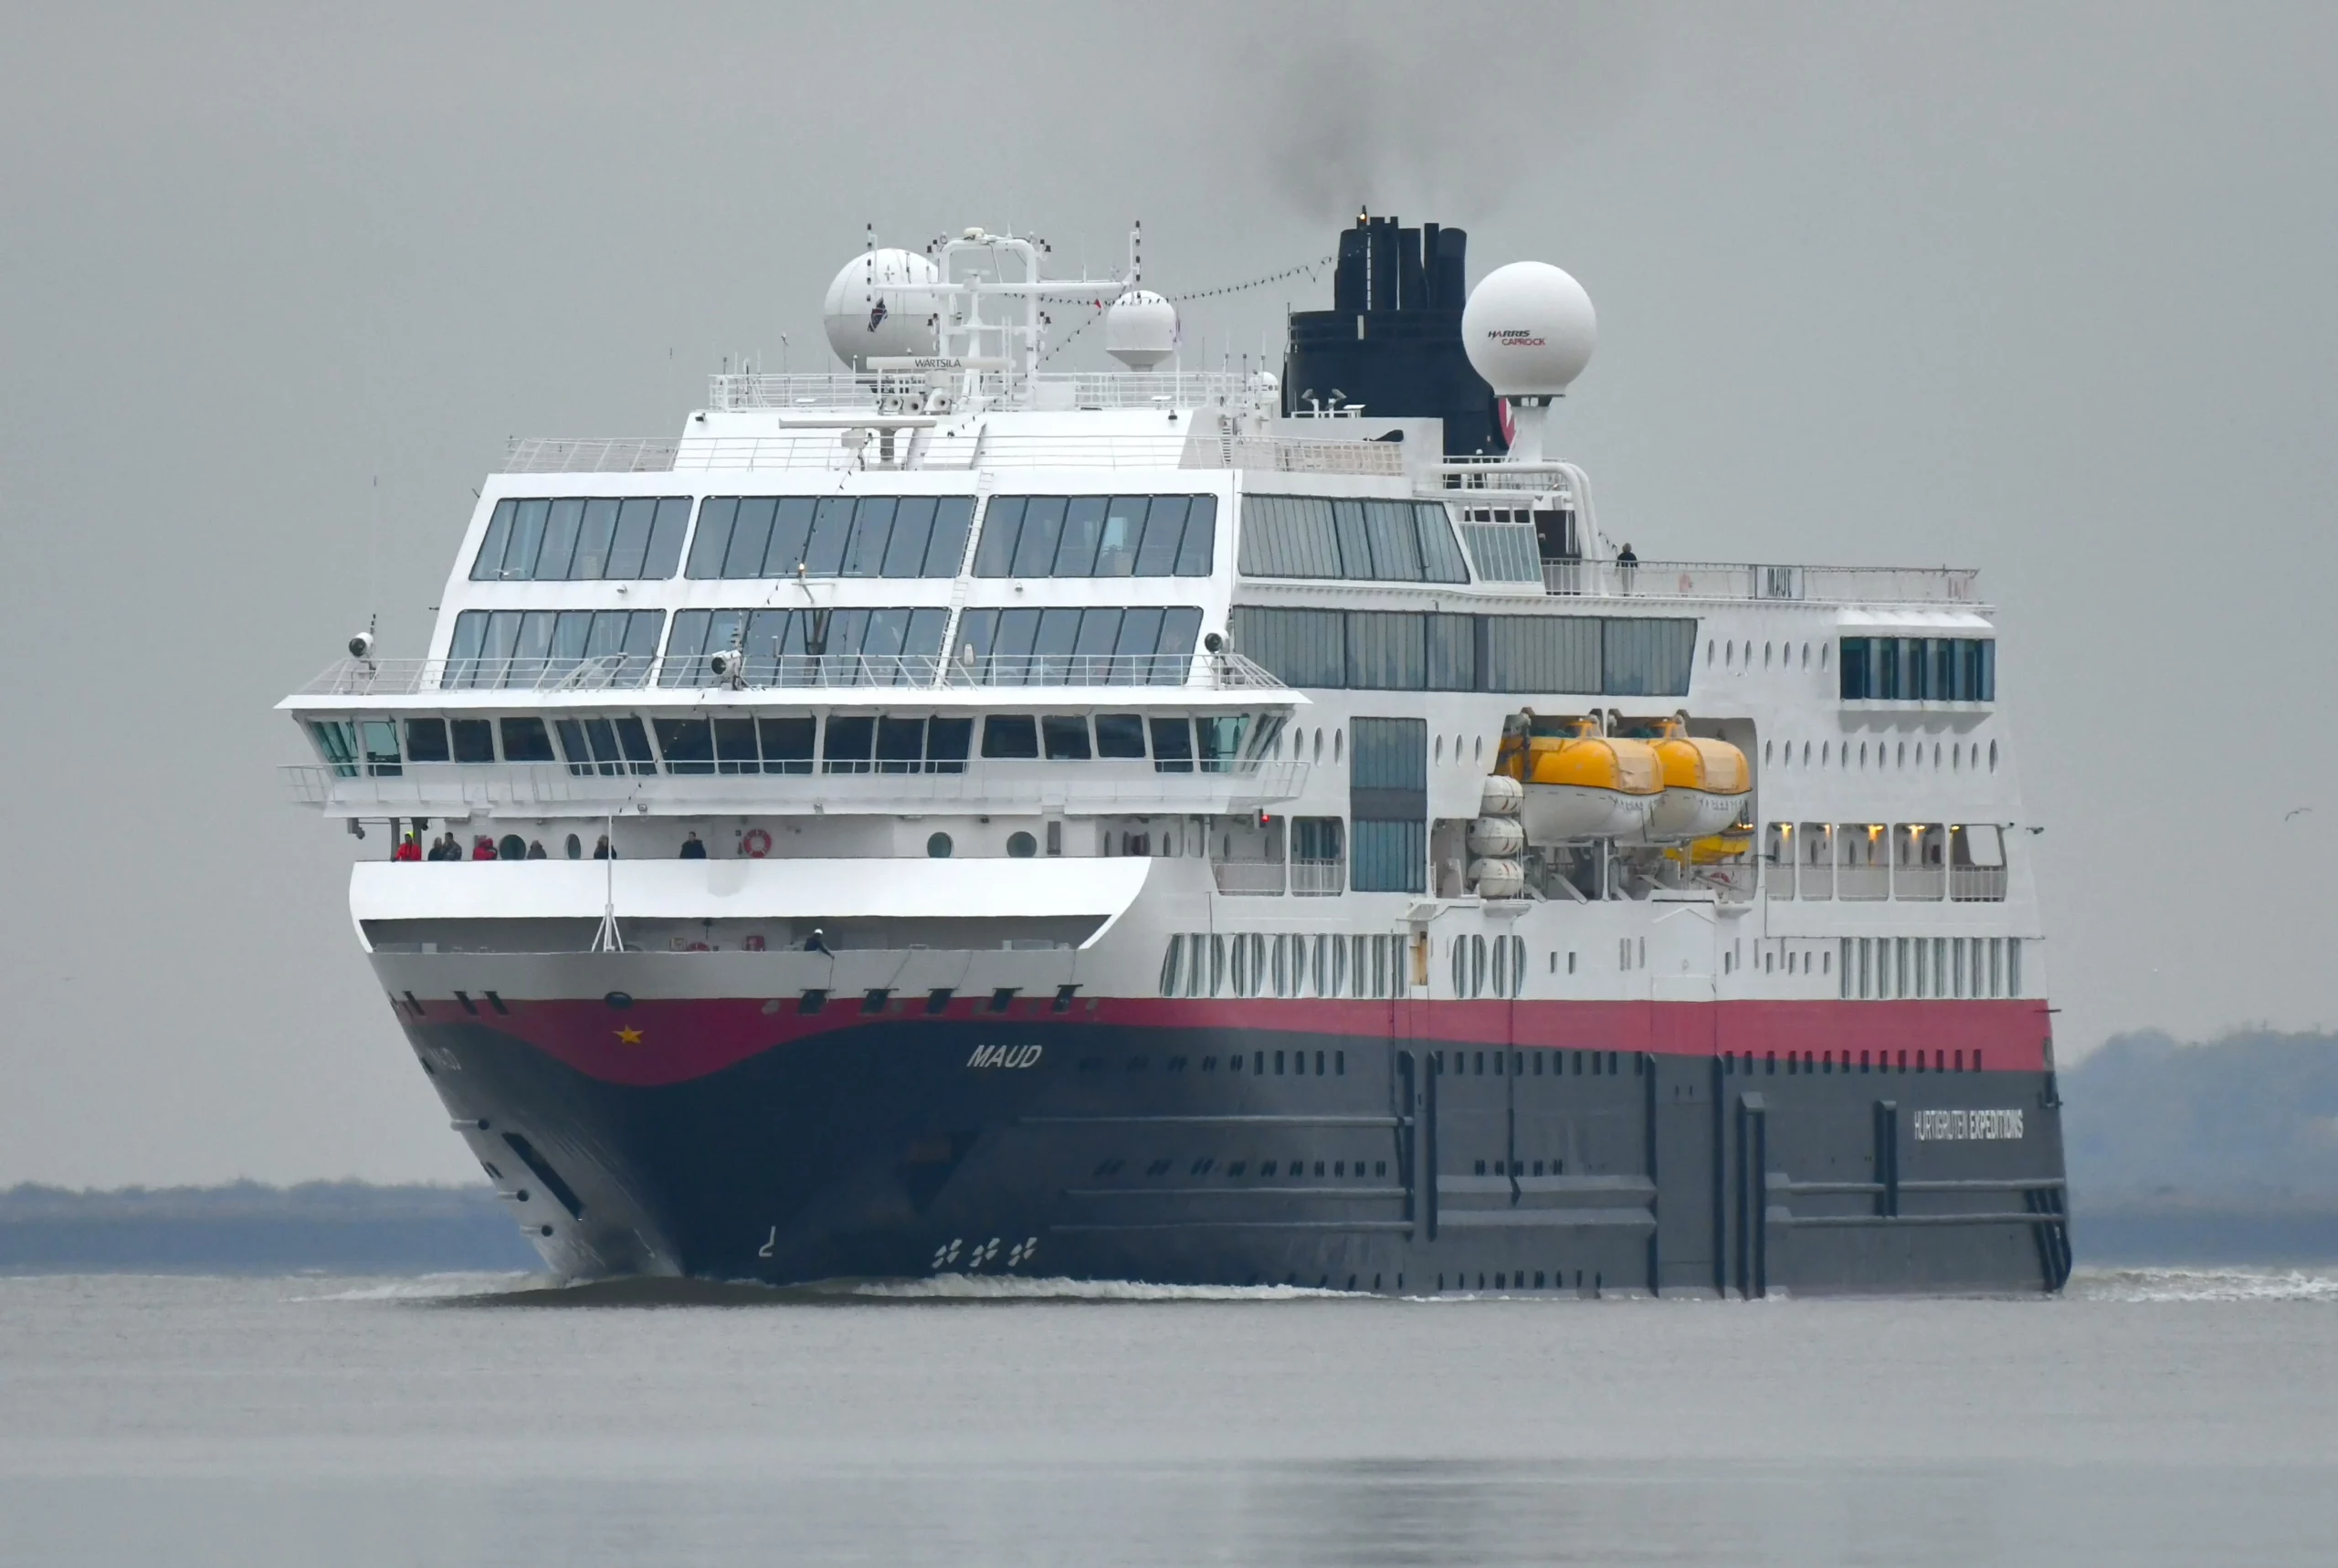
(1379, 541)
(806, 647)
(552, 647)
(583, 538)
(1408, 650)
(1097, 536)
(1066, 646)
(830, 536)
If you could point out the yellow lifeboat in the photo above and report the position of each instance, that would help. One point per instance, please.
(1706, 782)
(1581, 784)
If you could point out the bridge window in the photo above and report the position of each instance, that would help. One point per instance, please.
(1097, 536)
(579, 539)
(891, 646)
(1431, 651)
(830, 536)
(546, 648)
(1066, 646)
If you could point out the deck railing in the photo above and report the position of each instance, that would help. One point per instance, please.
(1247, 877)
(1726, 580)
(882, 448)
(642, 672)
(1319, 878)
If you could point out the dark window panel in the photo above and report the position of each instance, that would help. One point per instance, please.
(601, 734)
(1173, 745)
(595, 540)
(525, 740)
(787, 743)
(1066, 737)
(561, 529)
(527, 539)
(686, 744)
(1123, 532)
(1100, 632)
(872, 530)
(912, 529)
(574, 746)
(471, 740)
(712, 542)
(1011, 735)
(633, 741)
(735, 746)
(846, 747)
(1164, 532)
(750, 536)
(666, 535)
(685, 647)
(489, 565)
(1083, 531)
(901, 745)
(1001, 525)
(791, 536)
(1035, 550)
(426, 739)
(629, 545)
(533, 652)
(1180, 625)
(1119, 735)
(831, 533)
(947, 547)
(1197, 550)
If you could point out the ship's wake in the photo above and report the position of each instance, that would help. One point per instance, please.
(2201, 1284)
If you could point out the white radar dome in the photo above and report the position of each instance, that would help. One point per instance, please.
(1141, 329)
(882, 304)
(1529, 329)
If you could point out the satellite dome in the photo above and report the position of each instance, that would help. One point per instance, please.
(882, 304)
(1141, 329)
(1529, 329)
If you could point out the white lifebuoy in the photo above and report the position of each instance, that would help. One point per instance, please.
(754, 844)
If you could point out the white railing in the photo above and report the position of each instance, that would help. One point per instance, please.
(1922, 884)
(643, 673)
(1711, 580)
(1247, 877)
(1976, 884)
(1047, 390)
(1863, 884)
(879, 449)
(459, 789)
(1319, 878)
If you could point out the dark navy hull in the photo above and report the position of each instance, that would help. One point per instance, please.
(1063, 1147)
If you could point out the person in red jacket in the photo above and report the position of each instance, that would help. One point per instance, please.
(407, 849)
(483, 848)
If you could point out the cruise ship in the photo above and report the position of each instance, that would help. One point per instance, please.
(948, 816)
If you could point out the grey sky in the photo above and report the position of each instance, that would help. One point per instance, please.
(2045, 290)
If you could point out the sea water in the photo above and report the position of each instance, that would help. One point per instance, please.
(2159, 1416)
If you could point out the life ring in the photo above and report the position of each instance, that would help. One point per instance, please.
(754, 844)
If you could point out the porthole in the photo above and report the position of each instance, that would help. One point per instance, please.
(938, 846)
(1337, 736)
(1805, 656)
(1862, 753)
(1021, 845)
(1318, 745)
(1440, 748)
(1993, 756)
(1729, 653)
(1765, 656)
(1709, 650)
(1478, 749)
(1900, 760)
(1935, 753)
(1824, 649)
(1824, 747)
(1956, 756)
(1769, 750)
(576, 847)
(1805, 753)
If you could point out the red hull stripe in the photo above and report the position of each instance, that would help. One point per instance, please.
(680, 1040)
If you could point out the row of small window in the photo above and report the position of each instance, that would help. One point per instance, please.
(1961, 754)
(1489, 968)
(1402, 650)
(1925, 861)
(1918, 669)
(1097, 536)
(550, 648)
(1814, 1062)
(1472, 1064)
(582, 539)
(1885, 968)
(1356, 541)
(793, 743)
(1251, 965)
(1332, 1064)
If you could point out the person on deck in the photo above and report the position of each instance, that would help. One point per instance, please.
(693, 849)
(536, 849)
(601, 851)
(408, 849)
(483, 848)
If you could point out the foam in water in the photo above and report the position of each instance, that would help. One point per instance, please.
(2204, 1285)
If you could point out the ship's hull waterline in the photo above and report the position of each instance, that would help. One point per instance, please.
(1403, 1147)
